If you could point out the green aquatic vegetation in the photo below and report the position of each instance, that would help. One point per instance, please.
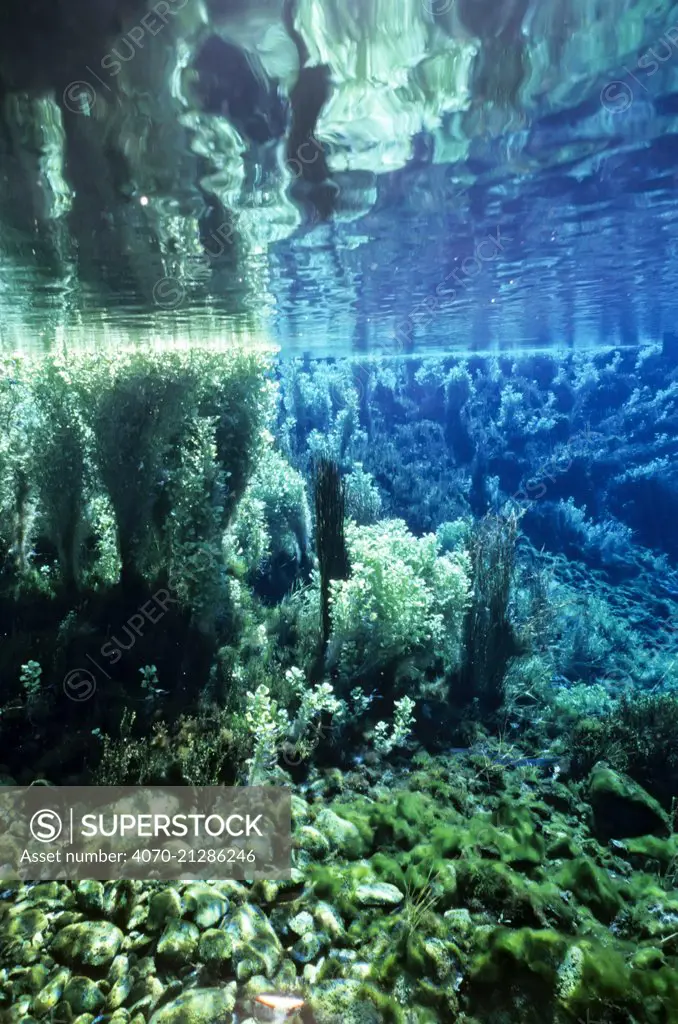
(31, 683)
(331, 547)
(60, 465)
(637, 737)
(168, 440)
(592, 887)
(387, 737)
(271, 526)
(196, 750)
(402, 596)
(363, 499)
(282, 493)
(489, 636)
(321, 412)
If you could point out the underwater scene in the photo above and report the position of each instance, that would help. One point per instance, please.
(338, 446)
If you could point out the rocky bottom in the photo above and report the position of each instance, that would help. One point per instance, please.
(466, 890)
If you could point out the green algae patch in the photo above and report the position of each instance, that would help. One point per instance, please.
(520, 953)
(592, 887)
(622, 808)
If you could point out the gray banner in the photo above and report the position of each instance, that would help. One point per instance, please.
(144, 832)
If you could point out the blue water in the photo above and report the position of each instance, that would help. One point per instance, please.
(543, 219)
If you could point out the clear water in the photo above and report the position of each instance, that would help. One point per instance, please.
(539, 218)
(350, 326)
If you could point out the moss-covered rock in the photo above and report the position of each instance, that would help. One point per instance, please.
(87, 944)
(592, 887)
(178, 943)
(622, 808)
(198, 1006)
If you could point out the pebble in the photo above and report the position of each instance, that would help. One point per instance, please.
(88, 944)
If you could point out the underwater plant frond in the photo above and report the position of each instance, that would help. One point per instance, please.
(330, 513)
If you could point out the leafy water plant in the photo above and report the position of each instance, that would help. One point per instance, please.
(330, 516)
(402, 596)
(30, 679)
(386, 740)
(489, 636)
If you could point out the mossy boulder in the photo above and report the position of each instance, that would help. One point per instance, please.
(87, 944)
(342, 834)
(592, 887)
(514, 974)
(199, 1006)
(621, 808)
(205, 905)
(340, 1000)
(178, 943)
(83, 996)
(164, 906)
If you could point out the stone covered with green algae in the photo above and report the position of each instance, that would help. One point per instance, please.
(201, 1006)
(622, 808)
(501, 904)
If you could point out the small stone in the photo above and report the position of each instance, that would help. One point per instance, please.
(206, 905)
(300, 810)
(306, 948)
(178, 943)
(459, 920)
(88, 944)
(164, 906)
(83, 996)
(339, 1001)
(301, 923)
(342, 835)
(216, 947)
(119, 969)
(378, 894)
(312, 841)
(25, 923)
(256, 947)
(18, 1013)
(286, 978)
(89, 895)
(329, 920)
(198, 1006)
(49, 996)
(359, 970)
(37, 977)
(119, 993)
(119, 1017)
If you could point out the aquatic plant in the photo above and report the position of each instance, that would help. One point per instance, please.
(363, 500)
(272, 525)
(489, 637)
(60, 465)
(385, 739)
(268, 725)
(402, 596)
(195, 750)
(330, 503)
(30, 679)
(637, 736)
(176, 437)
